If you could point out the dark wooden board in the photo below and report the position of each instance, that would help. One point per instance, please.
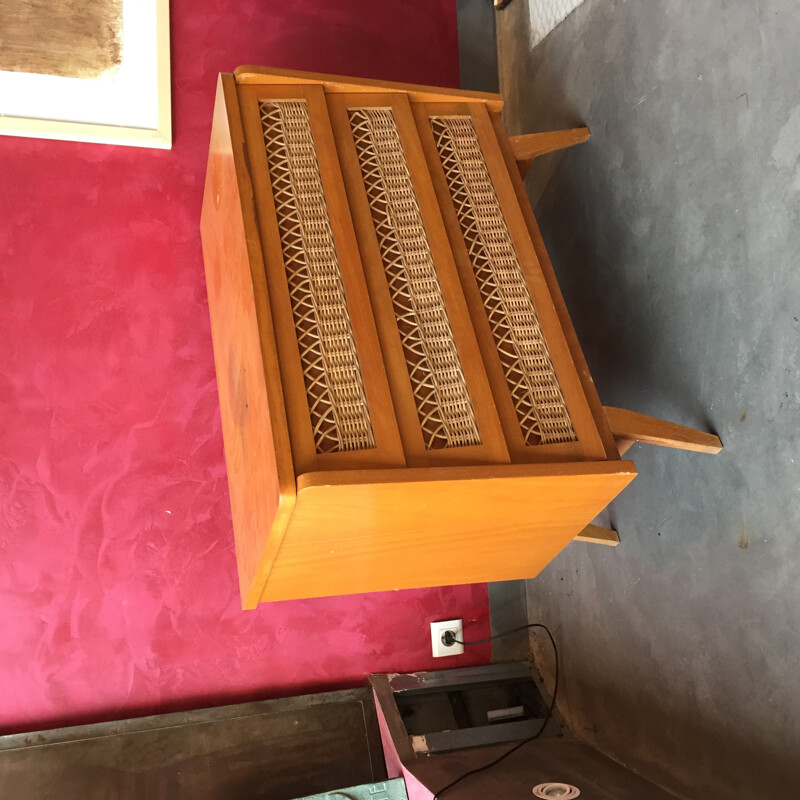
(275, 750)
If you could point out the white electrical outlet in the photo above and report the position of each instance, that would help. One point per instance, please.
(438, 630)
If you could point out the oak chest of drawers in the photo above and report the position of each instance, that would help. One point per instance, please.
(403, 398)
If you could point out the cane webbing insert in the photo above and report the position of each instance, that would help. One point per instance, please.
(539, 403)
(444, 407)
(333, 381)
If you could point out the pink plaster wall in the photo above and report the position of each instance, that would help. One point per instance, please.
(118, 587)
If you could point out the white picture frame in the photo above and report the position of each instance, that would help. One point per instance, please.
(130, 106)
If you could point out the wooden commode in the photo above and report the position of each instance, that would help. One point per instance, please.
(404, 401)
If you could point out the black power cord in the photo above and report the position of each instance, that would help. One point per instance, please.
(449, 639)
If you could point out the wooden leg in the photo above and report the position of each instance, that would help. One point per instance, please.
(532, 145)
(628, 426)
(597, 535)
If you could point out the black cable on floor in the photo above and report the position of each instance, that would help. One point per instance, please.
(544, 721)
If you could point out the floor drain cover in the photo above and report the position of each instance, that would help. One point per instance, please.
(565, 791)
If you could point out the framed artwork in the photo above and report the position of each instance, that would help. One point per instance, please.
(86, 70)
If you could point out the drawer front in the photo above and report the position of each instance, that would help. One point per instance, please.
(338, 404)
(441, 392)
(541, 403)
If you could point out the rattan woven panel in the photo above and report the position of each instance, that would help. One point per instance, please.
(536, 394)
(333, 381)
(444, 406)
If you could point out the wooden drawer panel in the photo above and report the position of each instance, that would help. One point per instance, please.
(530, 375)
(541, 404)
(332, 374)
(434, 366)
(338, 402)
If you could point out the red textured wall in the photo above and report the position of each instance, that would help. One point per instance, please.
(118, 587)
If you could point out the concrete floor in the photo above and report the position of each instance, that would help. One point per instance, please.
(675, 233)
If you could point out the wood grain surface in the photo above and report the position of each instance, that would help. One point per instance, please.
(267, 750)
(595, 534)
(249, 74)
(254, 428)
(361, 531)
(529, 146)
(630, 426)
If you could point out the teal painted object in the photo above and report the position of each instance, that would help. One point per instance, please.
(387, 790)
